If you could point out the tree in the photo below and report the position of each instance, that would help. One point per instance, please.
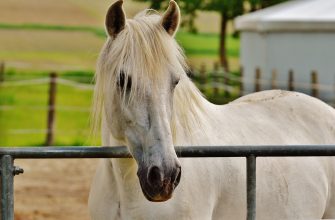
(190, 8)
(228, 9)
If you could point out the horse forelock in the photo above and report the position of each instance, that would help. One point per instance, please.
(145, 52)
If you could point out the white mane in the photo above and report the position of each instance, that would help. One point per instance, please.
(146, 51)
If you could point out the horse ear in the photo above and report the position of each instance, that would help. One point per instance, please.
(171, 18)
(115, 19)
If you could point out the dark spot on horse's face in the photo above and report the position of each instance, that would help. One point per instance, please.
(124, 82)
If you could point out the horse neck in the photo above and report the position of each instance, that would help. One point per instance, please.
(191, 116)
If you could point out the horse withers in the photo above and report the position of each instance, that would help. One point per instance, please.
(146, 102)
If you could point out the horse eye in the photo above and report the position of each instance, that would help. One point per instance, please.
(175, 82)
(123, 82)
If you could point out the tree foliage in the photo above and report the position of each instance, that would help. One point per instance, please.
(228, 8)
(190, 8)
(154, 4)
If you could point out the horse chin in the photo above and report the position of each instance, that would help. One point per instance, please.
(158, 193)
(157, 198)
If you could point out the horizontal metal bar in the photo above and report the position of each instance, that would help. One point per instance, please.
(185, 151)
(66, 152)
(258, 151)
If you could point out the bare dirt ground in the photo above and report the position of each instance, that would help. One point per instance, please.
(49, 50)
(44, 12)
(61, 12)
(53, 189)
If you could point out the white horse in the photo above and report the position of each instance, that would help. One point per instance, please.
(148, 103)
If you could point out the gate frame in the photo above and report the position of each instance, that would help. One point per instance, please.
(251, 152)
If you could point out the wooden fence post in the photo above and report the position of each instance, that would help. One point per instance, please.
(51, 109)
(274, 79)
(314, 84)
(291, 80)
(215, 78)
(2, 72)
(226, 81)
(257, 80)
(203, 79)
(241, 82)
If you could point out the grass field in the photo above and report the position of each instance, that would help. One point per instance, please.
(66, 36)
(23, 112)
(56, 47)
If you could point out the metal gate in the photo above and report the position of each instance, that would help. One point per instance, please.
(8, 170)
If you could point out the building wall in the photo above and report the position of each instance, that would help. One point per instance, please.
(301, 52)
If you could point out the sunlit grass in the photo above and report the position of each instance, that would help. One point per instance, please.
(23, 115)
(206, 44)
(32, 26)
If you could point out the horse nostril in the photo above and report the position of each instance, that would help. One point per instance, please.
(155, 177)
(178, 176)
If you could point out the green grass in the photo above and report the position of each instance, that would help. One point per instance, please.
(81, 76)
(203, 44)
(94, 30)
(26, 110)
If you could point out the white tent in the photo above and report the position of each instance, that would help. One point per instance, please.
(297, 36)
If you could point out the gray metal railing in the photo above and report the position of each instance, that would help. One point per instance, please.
(8, 170)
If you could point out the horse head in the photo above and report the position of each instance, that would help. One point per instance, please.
(138, 71)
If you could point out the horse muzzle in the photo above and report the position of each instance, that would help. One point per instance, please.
(158, 183)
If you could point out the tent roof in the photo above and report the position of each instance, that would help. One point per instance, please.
(297, 15)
